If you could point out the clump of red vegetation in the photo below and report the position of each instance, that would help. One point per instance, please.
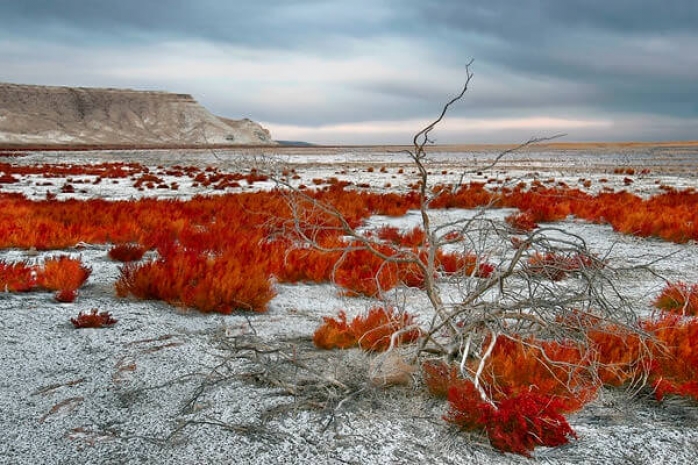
(63, 273)
(207, 282)
(362, 272)
(93, 319)
(530, 384)
(516, 424)
(522, 222)
(556, 266)
(371, 332)
(415, 237)
(468, 264)
(678, 298)
(674, 362)
(17, 277)
(127, 252)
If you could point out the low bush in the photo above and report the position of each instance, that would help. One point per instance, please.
(127, 252)
(93, 319)
(371, 332)
(17, 277)
(206, 282)
(63, 273)
(679, 299)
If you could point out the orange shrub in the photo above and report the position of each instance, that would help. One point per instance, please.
(17, 277)
(468, 264)
(439, 376)
(550, 368)
(209, 283)
(522, 222)
(678, 298)
(414, 238)
(361, 272)
(674, 366)
(127, 252)
(374, 330)
(93, 319)
(334, 333)
(63, 274)
(371, 332)
(66, 295)
(517, 424)
(620, 354)
(291, 264)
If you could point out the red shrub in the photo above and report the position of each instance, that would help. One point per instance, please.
(414, 238)
(361, 272)
(372, 331)
(522, 222)
(63, 274)
(551, 368)
(375, 329)
(17, 277)
(678, 298)
(620, 354)
(127, 252)
(515, 424)
(674, 366)
(334, 333)
(67, 295)
(468, 264)
(206, 282)
(439, 377)
(411, 275)
(93, 319)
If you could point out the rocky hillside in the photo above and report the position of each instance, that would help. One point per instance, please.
(77, 115)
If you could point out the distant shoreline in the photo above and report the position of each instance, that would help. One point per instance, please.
(549, 146)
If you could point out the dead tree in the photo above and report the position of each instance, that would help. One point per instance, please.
(524, 295)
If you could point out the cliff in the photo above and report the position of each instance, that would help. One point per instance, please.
(77, 115)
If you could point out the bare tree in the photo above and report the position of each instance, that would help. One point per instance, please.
(524, 295)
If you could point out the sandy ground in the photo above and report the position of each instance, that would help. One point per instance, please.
(166, 385)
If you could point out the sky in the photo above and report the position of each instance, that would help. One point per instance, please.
(377, 71)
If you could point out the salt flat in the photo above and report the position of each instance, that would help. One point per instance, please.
(164, 384)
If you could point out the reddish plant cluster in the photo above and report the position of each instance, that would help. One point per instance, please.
(63, 274)
(468, 264)
(530, 384)
(556, 266)
(362, 272)
(371, 332)
(17, 277)
(678, 298)
(103, 170)
(517, 424)
(674, 359)
(127, 252)
(207, 282)
(415, 237)
(522, 222)
(93, 319)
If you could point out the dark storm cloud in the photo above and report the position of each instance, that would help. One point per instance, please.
(266, 23)
(639, 54)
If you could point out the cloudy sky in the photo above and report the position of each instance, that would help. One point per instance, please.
(375, 71)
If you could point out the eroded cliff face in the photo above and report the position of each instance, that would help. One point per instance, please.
(77, 115)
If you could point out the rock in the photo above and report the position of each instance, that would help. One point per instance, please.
(77, 115)
(390, 369)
